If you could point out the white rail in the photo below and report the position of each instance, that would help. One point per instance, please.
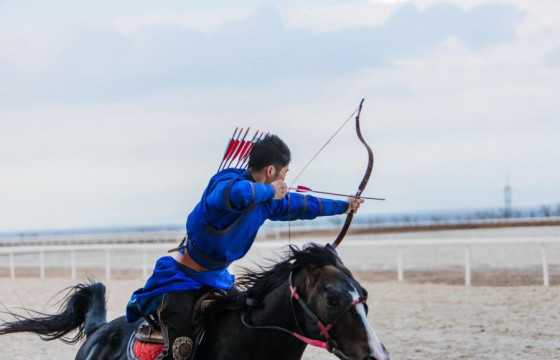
(397, 243)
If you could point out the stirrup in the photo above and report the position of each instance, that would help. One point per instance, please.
(146, 334)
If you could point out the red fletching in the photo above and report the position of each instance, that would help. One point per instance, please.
(238, 148)
(247, 149)
(245, 161)
(241, 150)
(232, 146)
(229, 147)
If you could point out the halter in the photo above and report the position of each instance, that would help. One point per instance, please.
(329, 343)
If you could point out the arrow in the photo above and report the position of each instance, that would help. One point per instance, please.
(304, 189)
(246, 148)
(238, 148)
(230, 147)
(250, 149)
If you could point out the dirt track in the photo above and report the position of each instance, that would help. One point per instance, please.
(415, 321)
(506, 314)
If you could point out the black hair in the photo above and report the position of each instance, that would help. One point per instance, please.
(270, 151)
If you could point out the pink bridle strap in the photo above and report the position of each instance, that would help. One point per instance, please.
(317, 343)
(294, 293)
(324, 329)
(357, 301)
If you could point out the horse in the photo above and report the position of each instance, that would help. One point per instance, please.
(308, 298)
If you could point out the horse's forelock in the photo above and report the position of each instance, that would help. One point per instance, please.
(315, 255)
(259, 282)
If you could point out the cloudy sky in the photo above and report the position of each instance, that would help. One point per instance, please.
(117, 113)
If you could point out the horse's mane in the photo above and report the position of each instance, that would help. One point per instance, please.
(255, 284)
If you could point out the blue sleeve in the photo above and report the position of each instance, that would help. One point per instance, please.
(236, 195)
(299, 207)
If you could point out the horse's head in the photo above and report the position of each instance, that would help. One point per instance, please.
(332, 305)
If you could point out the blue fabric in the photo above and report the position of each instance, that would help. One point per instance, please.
(225, 223)
(169, 276)
(221, 228)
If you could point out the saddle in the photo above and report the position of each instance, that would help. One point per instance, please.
(147, 342)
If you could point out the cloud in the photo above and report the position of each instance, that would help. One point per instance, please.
(99, 63)
(553, 58)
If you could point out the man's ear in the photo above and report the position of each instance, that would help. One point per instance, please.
(270, 170)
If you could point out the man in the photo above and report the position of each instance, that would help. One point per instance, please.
(221, 229)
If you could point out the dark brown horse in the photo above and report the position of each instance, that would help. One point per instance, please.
(308, 298)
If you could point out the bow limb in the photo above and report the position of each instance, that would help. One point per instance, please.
(363, 183)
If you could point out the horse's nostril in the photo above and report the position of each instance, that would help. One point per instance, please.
(385, 356)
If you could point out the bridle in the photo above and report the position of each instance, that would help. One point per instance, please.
(329, 343)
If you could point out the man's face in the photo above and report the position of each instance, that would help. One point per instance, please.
(273, 175)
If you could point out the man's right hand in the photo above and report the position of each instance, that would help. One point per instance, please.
(281, 189)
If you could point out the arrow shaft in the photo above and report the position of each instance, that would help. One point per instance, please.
(338, 194)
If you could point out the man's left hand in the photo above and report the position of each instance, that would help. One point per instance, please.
(353, 204)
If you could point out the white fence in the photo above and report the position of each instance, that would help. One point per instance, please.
(398, 245)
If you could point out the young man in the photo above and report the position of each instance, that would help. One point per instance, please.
(221, 229)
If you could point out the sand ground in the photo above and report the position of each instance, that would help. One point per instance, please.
(506, 314)
(414, 320)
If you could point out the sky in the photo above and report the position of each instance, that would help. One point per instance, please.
(117, 113)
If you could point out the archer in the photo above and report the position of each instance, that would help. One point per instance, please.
(221, 229)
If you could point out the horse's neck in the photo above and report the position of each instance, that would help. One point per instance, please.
(245, 343)
(276, 308)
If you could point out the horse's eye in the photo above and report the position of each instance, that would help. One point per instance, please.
(332, 300)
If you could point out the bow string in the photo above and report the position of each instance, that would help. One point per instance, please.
(365, 178)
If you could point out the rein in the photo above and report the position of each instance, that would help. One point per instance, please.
(329, 343)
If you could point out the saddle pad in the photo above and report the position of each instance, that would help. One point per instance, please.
(145, 351)
(138, 350)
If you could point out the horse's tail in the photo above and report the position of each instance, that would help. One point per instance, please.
(83, 308)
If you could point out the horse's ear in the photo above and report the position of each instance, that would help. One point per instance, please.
(339, 264)
(332, 250)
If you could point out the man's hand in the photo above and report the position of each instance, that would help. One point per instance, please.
(281, 189)
(353, 204)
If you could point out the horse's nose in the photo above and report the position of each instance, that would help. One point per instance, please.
(381, 355)
(385, 356)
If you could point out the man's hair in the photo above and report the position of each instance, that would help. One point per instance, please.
(270, 151)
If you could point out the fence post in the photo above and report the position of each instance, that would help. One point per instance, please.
(42, 264)
(107, 264)
(467, 265)
(12, 267)
(400, 272)
(73, 263)
(546, 281)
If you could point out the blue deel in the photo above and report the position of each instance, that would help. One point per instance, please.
(221, 229)
(225, 223)
(169, 276)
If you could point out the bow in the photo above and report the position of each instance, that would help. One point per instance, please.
(365, 178)
(363, 183)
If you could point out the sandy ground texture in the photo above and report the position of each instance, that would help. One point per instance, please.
(414, 320)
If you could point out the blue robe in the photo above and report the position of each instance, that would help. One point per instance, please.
(221, 229)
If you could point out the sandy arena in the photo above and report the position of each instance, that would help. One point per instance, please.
(506, 314)
(415, 321)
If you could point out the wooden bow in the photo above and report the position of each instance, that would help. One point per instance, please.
(363, 183)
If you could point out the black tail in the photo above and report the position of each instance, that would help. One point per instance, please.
(83, 308)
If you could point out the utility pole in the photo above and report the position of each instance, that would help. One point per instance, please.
(507, 198)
